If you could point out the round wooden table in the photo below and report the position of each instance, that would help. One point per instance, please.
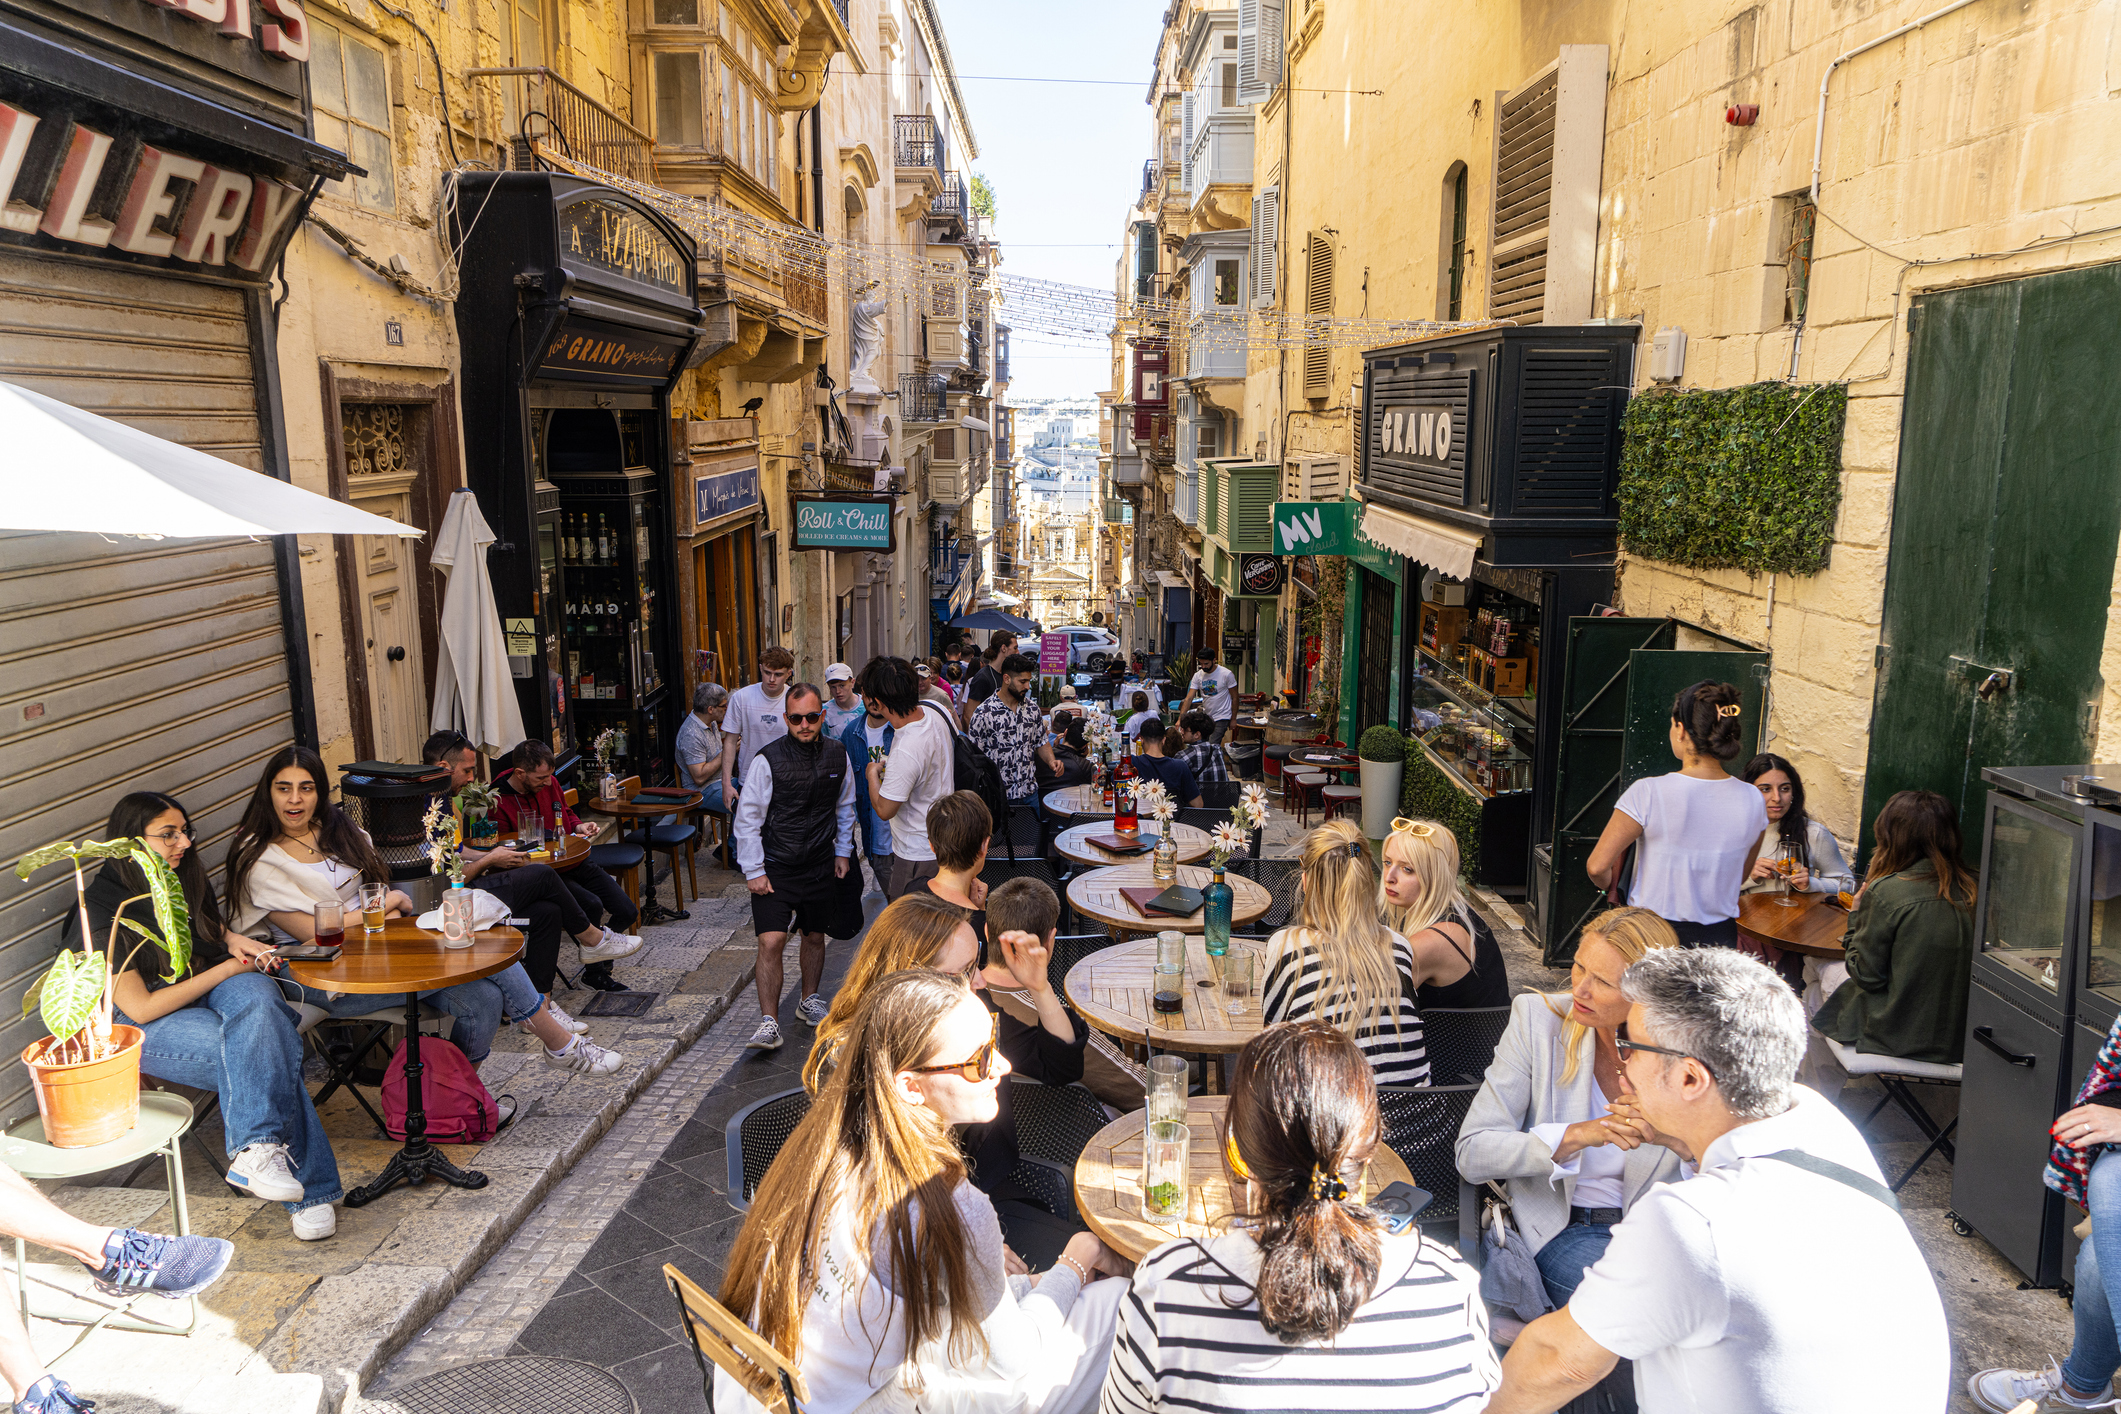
(1108, 1181)
(1075, 845)
(645, 808)
(1110, 990)
(1815, 927)
(409, 959)
(573, 850)
(1096, 895)
(1077, 800)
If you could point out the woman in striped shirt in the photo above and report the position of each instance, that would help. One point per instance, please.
(1339, 963)
(1310, 1304)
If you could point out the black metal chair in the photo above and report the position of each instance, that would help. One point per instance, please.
(1461, 1041)
(1221, 795)
(1421, 1126)
(1019, 834)
(998, 871)
(754, 1136)
(1279, 877)
(1054, 1122)
(1052, 1184)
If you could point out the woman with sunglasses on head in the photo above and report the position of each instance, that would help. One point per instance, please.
(1307, 1302)
(1552, 1120)
(1457, 962)
(1698, 828)
(218, 1025)
(1337, 962)
(1820, 867)
(872, 1264)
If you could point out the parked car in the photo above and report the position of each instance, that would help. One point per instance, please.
(1090, 648)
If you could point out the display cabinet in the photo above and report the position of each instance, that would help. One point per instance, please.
(612, 609)
(1482, 745)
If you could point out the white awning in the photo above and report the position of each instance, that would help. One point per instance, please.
(1172, 581)
(1441, 547)
(977, 424)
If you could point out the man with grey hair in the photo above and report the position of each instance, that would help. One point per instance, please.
(1779, 1278)
(699, 745)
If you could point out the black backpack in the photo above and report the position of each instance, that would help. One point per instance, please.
(974, 770)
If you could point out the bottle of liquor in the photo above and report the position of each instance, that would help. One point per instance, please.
(603, 540)
(1125, 818)
(1107, 782)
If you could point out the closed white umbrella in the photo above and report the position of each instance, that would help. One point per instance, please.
(474, 691)
(65, 469)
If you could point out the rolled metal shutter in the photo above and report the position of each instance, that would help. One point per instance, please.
(126, 664)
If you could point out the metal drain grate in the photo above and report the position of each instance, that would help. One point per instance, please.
(619, 1004)
(526, 1384)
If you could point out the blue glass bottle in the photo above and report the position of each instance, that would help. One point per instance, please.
(1216, 902)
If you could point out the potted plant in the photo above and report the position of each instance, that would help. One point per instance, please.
(86, 1074)
(1384, 761)
(476, 799)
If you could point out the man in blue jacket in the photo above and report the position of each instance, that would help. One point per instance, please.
(870, 731)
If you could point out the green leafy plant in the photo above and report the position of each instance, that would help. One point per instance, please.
(73, 996)
(1180, 666)
(983, 199)
(1381, 743)
(1733, 478)
(1426, 793)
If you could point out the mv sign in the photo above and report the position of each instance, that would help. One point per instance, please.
(1311, 528)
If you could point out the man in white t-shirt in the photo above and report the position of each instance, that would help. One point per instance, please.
(843, 706)
(1216, 687)
(753, 719)
(1781, 1278)
(920, 770)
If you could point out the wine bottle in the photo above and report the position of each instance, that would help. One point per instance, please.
(603, 541)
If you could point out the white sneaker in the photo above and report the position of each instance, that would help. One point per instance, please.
(767, 1037)
(584, 1057)
(813, 1010)
(614, 947)
(315, 1224)
(2001, 1391)
(560, 1015)
(264, 1171)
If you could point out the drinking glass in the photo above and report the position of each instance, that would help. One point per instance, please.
(1789, 857)
(372, 896)
(1168, 1077)
(1237, 981)
(1165, 996)
(1166, 1151)
(530, 834)
(331, 925)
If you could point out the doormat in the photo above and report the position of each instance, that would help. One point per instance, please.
(519, 1384)
(618, 1004)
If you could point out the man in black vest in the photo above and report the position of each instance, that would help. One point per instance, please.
(794, 830)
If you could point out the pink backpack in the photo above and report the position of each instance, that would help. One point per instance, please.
(459, 1109)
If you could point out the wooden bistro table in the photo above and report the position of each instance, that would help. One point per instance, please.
(411, 960)
(1108, 1180)
(1814, 928)
(1075, 846)
(636, 808)
(1077, 800)
(572, 852)
(1110, 990)
(1096, 895)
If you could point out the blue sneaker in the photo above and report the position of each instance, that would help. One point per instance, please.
(136, 1262)
(52, 1395)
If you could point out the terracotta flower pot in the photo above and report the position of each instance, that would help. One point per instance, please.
(88, 1102)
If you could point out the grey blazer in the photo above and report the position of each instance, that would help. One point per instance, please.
(1523, 1088)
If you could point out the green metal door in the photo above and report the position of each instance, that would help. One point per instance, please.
(1656, 677)
(2005, 520)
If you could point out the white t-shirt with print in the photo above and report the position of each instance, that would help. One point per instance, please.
(754, 719)
(923, 770)
(1216, 692)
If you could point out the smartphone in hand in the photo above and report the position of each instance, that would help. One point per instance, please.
(1400, 1204)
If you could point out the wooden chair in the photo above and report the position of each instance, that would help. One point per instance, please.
(719, 1339)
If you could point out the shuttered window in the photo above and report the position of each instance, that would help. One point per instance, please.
(1318, 308)
(1549, 151)
(1524, 194)
(1266, 238)
(1259, 52)
(1188, 107)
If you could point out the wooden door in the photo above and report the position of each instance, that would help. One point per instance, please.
(2004, 529)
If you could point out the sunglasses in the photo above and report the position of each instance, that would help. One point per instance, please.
(796, 719)
(980, 1067)
(1625, 1046)
(1420, 829)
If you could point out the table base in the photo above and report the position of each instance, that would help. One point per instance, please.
(418, 1159)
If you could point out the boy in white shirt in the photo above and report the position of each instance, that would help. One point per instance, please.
(753, 719)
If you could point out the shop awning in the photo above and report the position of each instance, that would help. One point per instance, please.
(1441, 547)
(1172, 581)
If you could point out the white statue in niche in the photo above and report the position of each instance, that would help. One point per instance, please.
(866, 329)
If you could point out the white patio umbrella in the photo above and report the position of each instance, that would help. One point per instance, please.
(65, 469)
(474, 690)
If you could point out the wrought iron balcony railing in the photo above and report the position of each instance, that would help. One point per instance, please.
(916, 142)
(920, 398)
(537, 105)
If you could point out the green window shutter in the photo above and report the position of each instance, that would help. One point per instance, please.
(1252, 510)
(1211, 500)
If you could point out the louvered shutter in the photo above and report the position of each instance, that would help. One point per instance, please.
(1549, 148)
(1318, 309)
(1186, 109)
(1252, 247)
(1248, 52)
(1268, 229)
(1270, 51)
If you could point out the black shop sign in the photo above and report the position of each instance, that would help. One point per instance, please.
(590, 350)
(1424, 434)
(1261, 575)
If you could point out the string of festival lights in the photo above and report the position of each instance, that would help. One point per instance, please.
(1076, 314)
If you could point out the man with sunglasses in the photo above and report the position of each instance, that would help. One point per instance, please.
(1781, 1278)
(794, 830)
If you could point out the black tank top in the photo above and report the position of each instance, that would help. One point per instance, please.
(1486, 983)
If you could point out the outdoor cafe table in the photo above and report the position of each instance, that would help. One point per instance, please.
(1108, 1180)
(409, 959)
(1096, 895)
(1077, 800)
(573, 851)
(1075, 846)
(1110, 990)
(1814, 927)
(652, 807)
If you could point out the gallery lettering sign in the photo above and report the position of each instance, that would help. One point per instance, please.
(608, 235)
(157, 203)
(844, 523)
(590, 350)
(1423, 435)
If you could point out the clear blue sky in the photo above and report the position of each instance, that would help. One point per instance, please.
(1065, 159)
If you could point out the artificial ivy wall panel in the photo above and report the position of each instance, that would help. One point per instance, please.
(1733, 478)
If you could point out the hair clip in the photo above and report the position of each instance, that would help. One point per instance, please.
(1729, 710)
(1326, 1187)
(1237, 1162)
(1358, 850)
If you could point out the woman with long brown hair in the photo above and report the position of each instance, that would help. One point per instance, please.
(870, 1262)
(1236, 1322)
(916, 930)
(1910, 946)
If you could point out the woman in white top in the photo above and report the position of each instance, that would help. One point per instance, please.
(1820, 866)
(1310, 1304)
(1698, 827)
(871, 1263)
(1552, 1120)
(1338, 962)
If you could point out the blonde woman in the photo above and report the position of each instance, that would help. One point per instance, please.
(918, 930)
(1457, 962)
(871, 1262)
(1554, 1120)
(1340, 964)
